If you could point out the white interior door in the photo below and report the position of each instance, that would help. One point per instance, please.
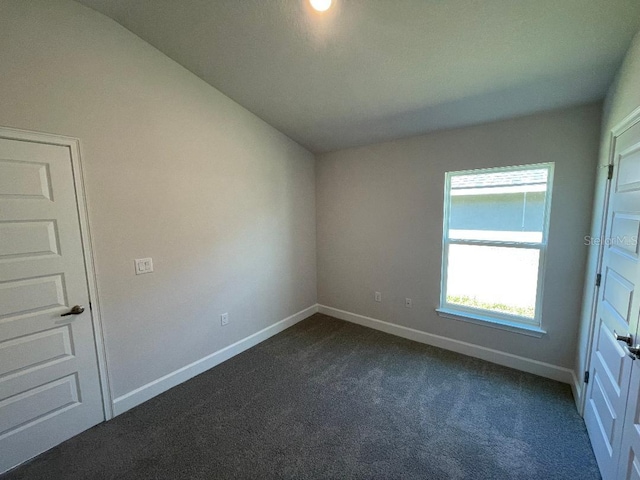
(629, 463)
(628, 181)
(617, 310)
(49, 383)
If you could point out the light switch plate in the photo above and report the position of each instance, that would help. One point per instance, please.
(143, 265)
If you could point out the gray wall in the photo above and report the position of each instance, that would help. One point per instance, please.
(379, 224)
(224, 203)
(622, 99)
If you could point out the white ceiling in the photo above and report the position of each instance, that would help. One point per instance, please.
(373, 70)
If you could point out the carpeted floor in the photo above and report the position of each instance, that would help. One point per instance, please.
(328, 399)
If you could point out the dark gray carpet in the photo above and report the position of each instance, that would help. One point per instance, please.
(328, 399)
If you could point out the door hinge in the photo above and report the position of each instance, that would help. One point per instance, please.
(610, 174)
(90, 307)
(586, 377)
(598, 279)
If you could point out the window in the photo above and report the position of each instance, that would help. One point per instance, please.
(496, 224)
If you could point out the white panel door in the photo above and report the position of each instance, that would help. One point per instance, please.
(629, 464)
(49, 383)
(628, 182)
(617, 309)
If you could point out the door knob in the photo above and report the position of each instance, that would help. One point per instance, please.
(634, 352)
(622, 338)
(75, 310)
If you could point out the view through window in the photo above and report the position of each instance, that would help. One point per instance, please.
(495, 236)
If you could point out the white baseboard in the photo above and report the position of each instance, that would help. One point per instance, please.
(536, 367)
(151, 389)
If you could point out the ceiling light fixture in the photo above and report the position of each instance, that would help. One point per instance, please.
(320, 5)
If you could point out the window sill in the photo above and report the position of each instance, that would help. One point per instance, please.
(500, 324)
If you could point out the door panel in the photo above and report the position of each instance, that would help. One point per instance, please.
(24, 179)
(617, 293)
(604, 409)
(606, 397)
(628, 178)
(617, 311)
(28, 239)
(30, 407)
(626, 226)
(33, 350)
(49, 383)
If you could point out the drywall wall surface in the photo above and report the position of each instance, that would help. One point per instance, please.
(379, 224)
(176, 171)
(622, 99)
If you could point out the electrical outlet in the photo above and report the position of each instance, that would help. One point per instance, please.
(378, 297)
(143, 265)
(224, 319)
(407, 302)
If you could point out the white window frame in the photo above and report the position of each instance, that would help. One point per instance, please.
(504, 321)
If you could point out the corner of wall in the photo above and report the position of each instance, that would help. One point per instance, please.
(146, 392)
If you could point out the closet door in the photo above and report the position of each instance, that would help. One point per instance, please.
(613, 362)
(49, 383)
(629, 464)
(628, 155)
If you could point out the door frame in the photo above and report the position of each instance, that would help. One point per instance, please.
(621, 127)
(73, 144)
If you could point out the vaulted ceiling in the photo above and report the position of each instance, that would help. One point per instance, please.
(373, 70)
